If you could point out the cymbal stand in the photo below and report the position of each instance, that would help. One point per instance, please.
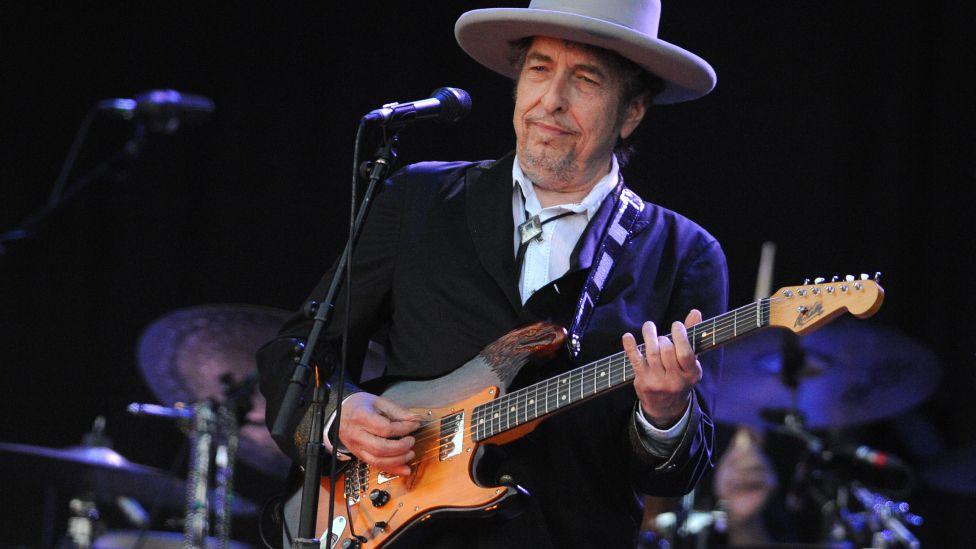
(213, 433)
(886, 519)
(213, 430)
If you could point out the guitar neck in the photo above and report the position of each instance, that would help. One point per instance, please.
(591, 380)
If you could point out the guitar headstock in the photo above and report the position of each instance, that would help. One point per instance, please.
(806, 307)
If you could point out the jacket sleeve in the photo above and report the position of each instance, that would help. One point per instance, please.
(373, 263)
(703, 284)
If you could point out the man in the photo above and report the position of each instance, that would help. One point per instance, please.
(442, 270)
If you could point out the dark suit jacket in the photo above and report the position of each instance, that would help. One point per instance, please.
(434, 272)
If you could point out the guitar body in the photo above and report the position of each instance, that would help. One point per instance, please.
(443, 478)
(445, 474)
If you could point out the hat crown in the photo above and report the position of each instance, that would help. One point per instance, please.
(643, 16)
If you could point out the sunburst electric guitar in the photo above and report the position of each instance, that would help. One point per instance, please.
(470, 407)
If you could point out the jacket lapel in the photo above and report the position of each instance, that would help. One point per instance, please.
(490, 221)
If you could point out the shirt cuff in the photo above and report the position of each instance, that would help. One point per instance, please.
(661, 442)
(343, 453)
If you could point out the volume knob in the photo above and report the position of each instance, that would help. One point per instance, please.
(378, 497)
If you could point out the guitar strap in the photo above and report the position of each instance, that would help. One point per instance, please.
(627, 209)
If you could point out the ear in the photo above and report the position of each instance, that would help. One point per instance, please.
(633, 114)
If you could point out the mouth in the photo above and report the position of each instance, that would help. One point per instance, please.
(549, 129)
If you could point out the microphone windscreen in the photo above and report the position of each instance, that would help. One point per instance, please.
(455, 104)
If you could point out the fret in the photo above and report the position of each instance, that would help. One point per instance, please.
(502, 413)
(525, 407)
(579, 381)
(547, 393)
(596, 376)
(517, 406)
(560, 388)
(475, 420)
(511, 406)
(483, 422)
(535, 400)
(496, 420)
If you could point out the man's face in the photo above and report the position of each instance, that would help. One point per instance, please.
(567, 114)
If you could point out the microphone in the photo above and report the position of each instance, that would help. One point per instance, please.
(446, 105)
(867, 456)
(162, 110)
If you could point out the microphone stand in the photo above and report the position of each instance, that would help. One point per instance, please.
(305, 538)
(61, 195)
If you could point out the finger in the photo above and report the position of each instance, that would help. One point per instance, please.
(669, 361)
(694, 317)
(394, 411)
(397, 465)
(630, 349)
(682, 347)
(384, 447)
(379, 425)
(652, 349)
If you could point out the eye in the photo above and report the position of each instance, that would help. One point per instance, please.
(586, 79)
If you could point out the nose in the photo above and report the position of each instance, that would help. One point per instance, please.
(554, 99)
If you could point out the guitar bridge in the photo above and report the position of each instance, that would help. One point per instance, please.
(452, 436)
(357, 481)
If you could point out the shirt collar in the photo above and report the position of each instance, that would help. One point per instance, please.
(590, 203)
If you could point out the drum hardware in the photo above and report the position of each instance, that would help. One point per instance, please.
(206, 353)
(213, 434)
(828, 477)
(93, 474)
(882, 522)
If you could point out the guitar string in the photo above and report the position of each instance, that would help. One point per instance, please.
(589, 373)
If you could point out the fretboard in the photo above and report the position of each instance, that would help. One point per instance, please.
(591, 380)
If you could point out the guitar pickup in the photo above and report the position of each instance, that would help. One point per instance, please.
(452, 436)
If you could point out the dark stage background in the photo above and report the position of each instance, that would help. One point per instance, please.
(843, 131)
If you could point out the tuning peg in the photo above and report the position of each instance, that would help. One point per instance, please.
(834, 278)
(864, 276)
(819, 280)
(849, 278)
(806, 281)
(877, 276)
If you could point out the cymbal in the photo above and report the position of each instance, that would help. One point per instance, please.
(185, 355)
(854, 373)
(101, 471)
(953, 472)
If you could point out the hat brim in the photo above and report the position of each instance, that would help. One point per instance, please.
(487, 34)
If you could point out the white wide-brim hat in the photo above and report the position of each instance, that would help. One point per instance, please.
(628, 27)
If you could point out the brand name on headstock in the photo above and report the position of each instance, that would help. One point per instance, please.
(806, 315)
